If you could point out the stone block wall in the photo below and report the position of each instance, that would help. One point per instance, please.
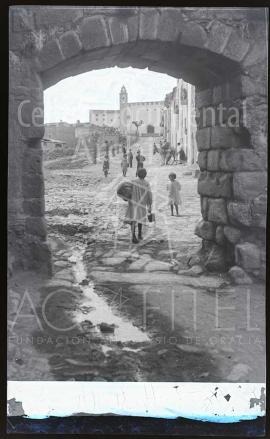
(233, 180)
(28, 247)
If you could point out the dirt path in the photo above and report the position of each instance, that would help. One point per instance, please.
(137, 312)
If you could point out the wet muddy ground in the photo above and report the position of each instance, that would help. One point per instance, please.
(115, 311)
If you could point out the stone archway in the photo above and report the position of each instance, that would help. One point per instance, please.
(224, 56)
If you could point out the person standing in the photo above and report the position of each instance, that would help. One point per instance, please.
(182, 155)
(155, 148)
(139, 206)
(107, 147)
(140, 159)
(174, 188)
(130, 158)
(106, 164)
(178, 150)
(124, 165)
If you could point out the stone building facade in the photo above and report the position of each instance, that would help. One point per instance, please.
(61, 130)
(179, 119)
(221, 51)
(101, 118)
(150, 113)
(105, 133)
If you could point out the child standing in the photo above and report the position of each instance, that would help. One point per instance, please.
(174, 188)
(106, 164)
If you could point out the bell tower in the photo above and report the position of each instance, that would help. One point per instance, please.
(123, 97)
(123, 109)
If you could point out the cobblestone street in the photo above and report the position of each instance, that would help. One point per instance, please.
(133, 312)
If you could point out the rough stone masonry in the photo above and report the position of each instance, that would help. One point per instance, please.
(222, 53)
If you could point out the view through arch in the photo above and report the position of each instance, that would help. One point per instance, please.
(141, 296)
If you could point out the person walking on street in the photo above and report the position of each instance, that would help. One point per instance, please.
(130, 158)
(139, 206)
(124, 165)
(106, 164)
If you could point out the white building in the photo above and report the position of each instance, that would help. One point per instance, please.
(147, 115)
(179, 123)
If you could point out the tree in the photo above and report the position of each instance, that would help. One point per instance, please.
(137, 125)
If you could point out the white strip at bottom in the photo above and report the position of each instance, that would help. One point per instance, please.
(212, 402)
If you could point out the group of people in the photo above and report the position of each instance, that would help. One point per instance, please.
(127, 161)
(140, 204)
(167, 152)
(139, 210)
(106, 160)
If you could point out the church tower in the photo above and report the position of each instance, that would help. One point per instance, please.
(123, 97)
(123, 110)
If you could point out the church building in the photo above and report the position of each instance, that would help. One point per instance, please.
(132, 117)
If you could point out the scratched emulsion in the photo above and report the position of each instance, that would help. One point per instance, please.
(259, 401)
(15, 408)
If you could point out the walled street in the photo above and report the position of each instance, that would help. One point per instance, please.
(134, 312)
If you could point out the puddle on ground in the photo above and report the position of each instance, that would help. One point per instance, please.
(97, 310)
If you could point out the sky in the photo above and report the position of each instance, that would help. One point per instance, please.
(72, 98)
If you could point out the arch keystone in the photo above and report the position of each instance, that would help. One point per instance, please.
(133, 28)
(170, 25)
(148, 24)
